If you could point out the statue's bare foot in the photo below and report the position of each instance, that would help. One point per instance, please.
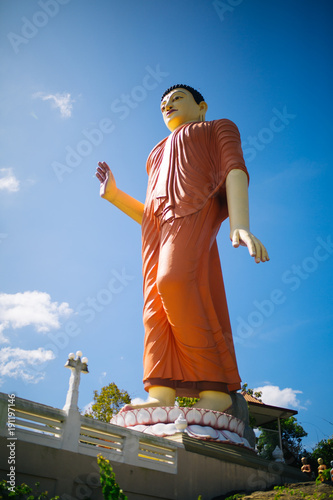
(151, 402)
(126, 408)
(158, 396)
(214, 400)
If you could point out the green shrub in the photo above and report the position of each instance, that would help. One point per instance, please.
(324, 476)
(110, 489)
(22, 491)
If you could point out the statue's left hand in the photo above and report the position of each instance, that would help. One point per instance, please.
(255, 247)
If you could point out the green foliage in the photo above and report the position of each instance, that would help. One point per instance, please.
(186, 402)
(267, 442)
(324, 477)
(249, 391)
(110, 489)
(292, 433)
(236, 496)
(324, 450)
(22, 491)
(108, 402)
(282, 491)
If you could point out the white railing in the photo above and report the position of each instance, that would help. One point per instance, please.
(95, 438)
(163, 454)
(47, 426)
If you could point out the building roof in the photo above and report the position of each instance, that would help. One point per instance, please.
(250, 398)
(265, 414)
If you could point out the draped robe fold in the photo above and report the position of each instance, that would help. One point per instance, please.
(188, 341)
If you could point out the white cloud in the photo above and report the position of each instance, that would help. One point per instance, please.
(62, 101)
(8, 180)
(3, 339)
(31, 308)
(19, 363)
(87, 408)
(138, 401)
(284, 398)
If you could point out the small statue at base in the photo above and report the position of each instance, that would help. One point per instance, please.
(321, 467)
(306, 468)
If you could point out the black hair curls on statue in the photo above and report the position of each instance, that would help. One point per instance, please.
(196, 95)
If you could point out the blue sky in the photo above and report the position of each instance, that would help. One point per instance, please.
(81, 83)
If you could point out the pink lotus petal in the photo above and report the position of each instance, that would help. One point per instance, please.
(158, 430)
(149, 430)
(240, 428)
(223, 421)
(194, 416)
(209, 418)
(222, 437)
(129, 418)
(202, 432)
(143, 416)
(233, 424)
(174, 413)
(139, 428)
(170, 429)
(159, 415)
(232, 436)
(246, 443)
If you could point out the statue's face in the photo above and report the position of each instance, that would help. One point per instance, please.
(179, 107)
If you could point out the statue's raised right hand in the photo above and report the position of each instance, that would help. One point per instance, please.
(108, 188)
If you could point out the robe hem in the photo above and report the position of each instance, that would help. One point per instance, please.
(191, 389)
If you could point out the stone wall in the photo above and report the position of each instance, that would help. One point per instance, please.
(60, 451)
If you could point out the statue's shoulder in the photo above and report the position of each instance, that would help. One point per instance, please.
(225, 127)
(223, 122)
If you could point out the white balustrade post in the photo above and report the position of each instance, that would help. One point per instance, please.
(72, 424)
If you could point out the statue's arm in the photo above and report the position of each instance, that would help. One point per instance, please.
(238, 208)
(109, 191)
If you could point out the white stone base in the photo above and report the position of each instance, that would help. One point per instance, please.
(168, 421)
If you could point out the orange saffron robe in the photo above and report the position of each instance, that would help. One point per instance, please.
(188, 342)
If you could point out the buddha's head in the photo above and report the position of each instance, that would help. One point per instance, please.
(182, 104)
(304, 461)
(320, 461)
